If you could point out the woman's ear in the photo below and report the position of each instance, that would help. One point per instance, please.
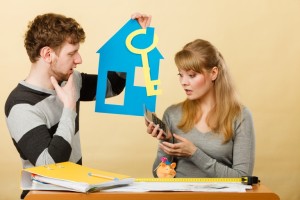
(214, 73)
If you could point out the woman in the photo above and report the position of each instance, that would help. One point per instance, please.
(210, 133)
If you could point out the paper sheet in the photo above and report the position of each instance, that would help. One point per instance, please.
(182, 186)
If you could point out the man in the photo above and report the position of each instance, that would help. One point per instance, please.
(42, 112)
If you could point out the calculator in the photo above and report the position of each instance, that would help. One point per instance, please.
(151, 117)
(161, 124)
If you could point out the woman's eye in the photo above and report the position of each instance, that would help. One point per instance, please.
(180, 75)
(192, 75)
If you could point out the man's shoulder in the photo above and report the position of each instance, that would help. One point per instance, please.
(23, 95)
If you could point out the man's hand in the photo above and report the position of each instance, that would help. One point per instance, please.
(143, 20)
(67, 93)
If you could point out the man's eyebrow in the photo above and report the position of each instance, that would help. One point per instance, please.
(74, 51)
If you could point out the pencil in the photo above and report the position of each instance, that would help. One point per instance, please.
(103, 176)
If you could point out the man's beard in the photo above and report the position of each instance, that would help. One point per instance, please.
(60, 77)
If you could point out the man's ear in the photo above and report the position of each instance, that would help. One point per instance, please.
(214, 73)
(46, 54)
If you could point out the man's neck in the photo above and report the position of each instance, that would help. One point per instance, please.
(39, 76)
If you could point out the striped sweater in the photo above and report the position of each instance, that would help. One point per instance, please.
(42, 130)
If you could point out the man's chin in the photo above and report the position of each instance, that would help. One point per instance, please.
(64, 78)
(70, 73)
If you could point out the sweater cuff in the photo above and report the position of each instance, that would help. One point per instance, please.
(68, 114)
(199, 157)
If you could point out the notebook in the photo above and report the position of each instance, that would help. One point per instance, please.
(71, 177)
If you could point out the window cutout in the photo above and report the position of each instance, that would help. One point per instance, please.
(139, 79)
(117, 100)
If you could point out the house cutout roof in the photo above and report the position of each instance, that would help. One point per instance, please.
(130, 48)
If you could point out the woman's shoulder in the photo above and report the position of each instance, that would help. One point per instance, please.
(174, 109)
(245, 115)
(246, 112)
(172, 115)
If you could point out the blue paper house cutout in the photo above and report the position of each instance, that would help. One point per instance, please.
(116, 56)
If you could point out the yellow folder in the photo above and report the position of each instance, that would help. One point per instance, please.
(72, 177)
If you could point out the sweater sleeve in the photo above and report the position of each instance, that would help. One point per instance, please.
(33, 139)
(115, 85)
(88, 87)
(243, 152)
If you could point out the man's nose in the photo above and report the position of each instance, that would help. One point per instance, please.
(78, 59)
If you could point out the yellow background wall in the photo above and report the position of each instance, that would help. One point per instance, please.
(258, 38)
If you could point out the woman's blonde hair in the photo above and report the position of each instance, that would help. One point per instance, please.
(199, 56)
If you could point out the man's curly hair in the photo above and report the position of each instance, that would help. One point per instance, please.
(51, 30)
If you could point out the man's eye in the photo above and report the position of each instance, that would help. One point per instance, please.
(72, 53)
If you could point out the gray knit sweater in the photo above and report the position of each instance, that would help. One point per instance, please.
(42, 130)
(213, 158)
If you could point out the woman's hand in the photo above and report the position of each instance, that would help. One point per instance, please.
(183, 147)
(156, 132)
